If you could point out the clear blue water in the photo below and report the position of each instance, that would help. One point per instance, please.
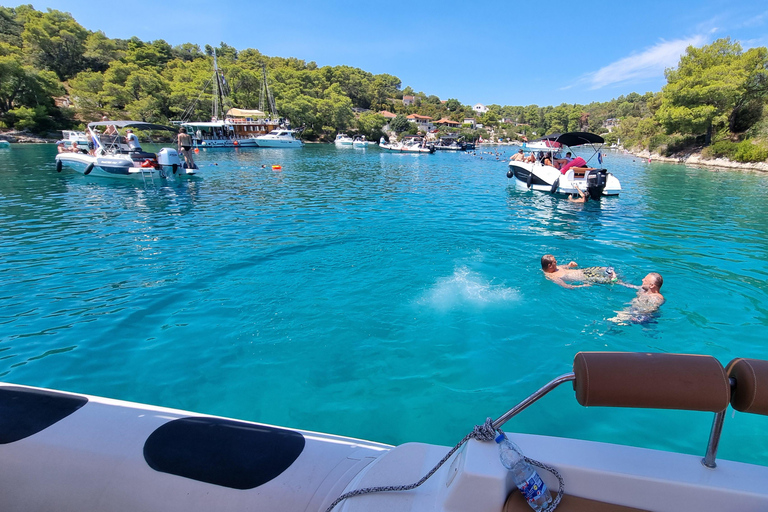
(382, 296)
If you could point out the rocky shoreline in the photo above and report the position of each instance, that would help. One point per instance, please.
(695, 159)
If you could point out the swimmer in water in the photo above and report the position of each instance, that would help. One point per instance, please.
(588, 276)
(647, 302)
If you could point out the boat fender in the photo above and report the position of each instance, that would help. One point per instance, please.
(59, 165)
(236, 143)
(147, 163)
(175, 168)
(197, 150)
(88, 169)
(510, 174)
(554, 186)
(529, 181)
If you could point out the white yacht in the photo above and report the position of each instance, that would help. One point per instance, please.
(72, 452)
(343, 140)
(280, 138)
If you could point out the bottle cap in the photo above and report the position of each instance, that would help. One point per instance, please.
(500, 438)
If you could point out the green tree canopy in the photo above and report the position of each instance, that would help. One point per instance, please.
(709, 85)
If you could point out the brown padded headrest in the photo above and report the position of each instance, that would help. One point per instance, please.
(648, 380)
(751, 391)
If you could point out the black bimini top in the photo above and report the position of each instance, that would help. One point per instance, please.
(578, 138)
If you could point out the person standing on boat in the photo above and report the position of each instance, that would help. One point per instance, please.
(564, 274)
(184, 142)
(647, 302)
(132, 140)
(110, 130)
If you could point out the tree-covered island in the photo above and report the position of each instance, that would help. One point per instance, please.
(56, 74)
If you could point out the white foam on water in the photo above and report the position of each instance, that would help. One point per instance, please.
(467, 288)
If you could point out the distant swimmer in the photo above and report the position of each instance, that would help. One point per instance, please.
(647, 302)
(563, 274)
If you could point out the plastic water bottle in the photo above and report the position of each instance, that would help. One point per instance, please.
(526, 478)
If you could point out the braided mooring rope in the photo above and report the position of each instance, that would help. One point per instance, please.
(484, 432)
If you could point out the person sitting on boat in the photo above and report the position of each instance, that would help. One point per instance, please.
(562, 161)
(647, 302)
(132, 140)
(588, 276)
(531, 158)
(184, 142)
(548, 160)
(60, 147)
(74, 148)
(517, 157)
(576, 162)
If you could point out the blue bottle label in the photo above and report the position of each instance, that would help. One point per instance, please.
(533, 487)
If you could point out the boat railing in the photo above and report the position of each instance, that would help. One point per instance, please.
(663, 381)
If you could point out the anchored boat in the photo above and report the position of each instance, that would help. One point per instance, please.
(109, 155)
(73, 452)
(564, 177)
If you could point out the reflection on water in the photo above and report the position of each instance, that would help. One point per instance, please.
(384, 296)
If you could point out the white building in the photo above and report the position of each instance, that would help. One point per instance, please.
(480, 108)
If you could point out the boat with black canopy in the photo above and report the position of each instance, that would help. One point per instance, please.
(545, 169)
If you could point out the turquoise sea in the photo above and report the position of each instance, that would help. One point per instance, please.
(382, 296)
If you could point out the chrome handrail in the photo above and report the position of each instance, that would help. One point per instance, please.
(533, 398)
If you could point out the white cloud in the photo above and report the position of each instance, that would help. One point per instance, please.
(650, 64)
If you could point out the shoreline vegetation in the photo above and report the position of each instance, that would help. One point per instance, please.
(56, 75)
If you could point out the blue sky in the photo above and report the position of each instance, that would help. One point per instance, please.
(503, 52)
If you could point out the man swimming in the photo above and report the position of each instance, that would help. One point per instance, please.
(645, 304)
(588, 276)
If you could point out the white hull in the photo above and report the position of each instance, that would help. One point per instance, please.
(280, 138)
(543, 177)
(267, 143)
(117, 167)
(405, 148)
(80, 452)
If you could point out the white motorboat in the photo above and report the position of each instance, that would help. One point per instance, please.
(70, 136)
(408, 145)
(4, 143)
(280, 138)
(573, 176)
(343, 140)
(360, 142)
(110, 155)
(72, 452)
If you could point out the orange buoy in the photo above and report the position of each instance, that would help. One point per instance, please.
(236, 143)
(276, 167)
(197, 150)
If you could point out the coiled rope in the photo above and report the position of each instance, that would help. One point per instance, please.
(484, 432)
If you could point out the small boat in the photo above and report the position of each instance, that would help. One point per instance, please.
(4, 143)
(408, 145)
(70, 136)
(360, 142)
(82, 452)
(343, 140)
(450, 143)
(280, 138)
(110, 156)
(570, 178)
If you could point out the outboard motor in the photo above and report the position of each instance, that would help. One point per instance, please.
(169, 159)
(596, 181)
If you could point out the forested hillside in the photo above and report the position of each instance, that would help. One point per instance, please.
(56, 74)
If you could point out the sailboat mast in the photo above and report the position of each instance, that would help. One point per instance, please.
(270, 99)
(218, 93)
